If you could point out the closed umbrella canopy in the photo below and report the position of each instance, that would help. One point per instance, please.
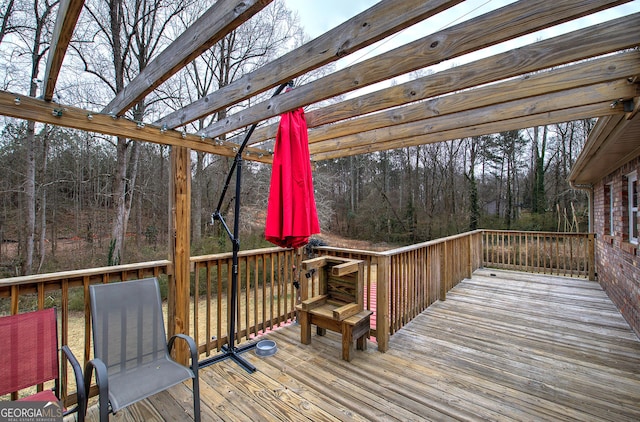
(291, 212)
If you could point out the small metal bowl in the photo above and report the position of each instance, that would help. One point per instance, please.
(266, 348)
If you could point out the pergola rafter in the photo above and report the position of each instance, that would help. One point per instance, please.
(582, 44)
(501, 101)
(510, 22)
(558, 116)
(38, 110)
(220, 19)
(68, 14)
(389, 17)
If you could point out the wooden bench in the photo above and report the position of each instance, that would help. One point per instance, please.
(339, 305)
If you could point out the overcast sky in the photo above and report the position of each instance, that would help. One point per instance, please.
(319, 16)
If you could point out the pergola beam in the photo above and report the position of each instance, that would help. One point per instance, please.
(28, 108)
(508, 22)
(214, 24)
(383, 19)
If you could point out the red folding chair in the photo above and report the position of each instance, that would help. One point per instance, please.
(29, 350)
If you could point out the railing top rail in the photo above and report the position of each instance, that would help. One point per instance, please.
(410, 248)
(229, 255)
(347, 250)
(79, 274)
(399, 250)
(540, 232)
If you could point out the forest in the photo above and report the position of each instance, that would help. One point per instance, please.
(72, 199)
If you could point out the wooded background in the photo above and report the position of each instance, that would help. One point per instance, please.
(72, 199)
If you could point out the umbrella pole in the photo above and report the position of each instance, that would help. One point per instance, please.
(229, 350)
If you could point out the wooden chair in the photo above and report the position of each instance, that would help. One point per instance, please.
(30, 357)
(132, 357)
(339, 307)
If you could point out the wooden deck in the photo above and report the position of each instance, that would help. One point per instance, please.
(503, 346)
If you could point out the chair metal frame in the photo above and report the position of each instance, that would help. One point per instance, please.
(113, 376)
(38, 365)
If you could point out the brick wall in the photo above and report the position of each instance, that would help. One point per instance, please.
(617, 260)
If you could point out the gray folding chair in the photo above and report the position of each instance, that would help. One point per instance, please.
(132, 358)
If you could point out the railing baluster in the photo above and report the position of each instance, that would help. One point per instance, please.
(526, 251)
(264, 291)
(220, 322)
(87, 321)
(196, 290)
(64, 334)
(256, 284)
(247, 296)
(207, 309)
(271, 291)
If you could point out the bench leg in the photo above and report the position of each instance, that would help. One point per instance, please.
(321, 331)
(347, 342)
(359, 331)
(361, 343)
(305, 328)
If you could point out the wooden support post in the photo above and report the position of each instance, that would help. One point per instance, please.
(180, 247)
(470, 238)
(443, 271)
(592, 257)
(382, 302)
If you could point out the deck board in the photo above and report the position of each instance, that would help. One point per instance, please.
(503, 346)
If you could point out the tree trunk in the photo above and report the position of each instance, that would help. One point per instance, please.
(540, 146)
(474, 208)
(509, 210)
(119, 191)
(41, 208)
(31, 146)
(29, 200)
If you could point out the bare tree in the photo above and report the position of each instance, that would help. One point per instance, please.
(6, 26)
(247, 47)
(31, 42)
(539, 146)
(133, 31)
(474, 144)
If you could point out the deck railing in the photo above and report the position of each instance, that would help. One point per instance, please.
(565, 254)
(399, 284)
(62, 289)
(266, 295)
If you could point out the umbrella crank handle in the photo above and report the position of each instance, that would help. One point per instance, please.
(217, 216)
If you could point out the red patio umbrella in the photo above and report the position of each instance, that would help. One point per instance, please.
(291, 212)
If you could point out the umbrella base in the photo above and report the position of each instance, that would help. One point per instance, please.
(234, 355)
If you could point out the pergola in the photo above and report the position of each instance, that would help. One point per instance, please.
(590, 72)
